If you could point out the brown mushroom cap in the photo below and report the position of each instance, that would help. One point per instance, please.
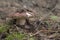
(24, 14)
(17, 15)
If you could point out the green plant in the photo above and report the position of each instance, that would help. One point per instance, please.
(54, 17)
(17, 36)
(3, 27)
(31, 38)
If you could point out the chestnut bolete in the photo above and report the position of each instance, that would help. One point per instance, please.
(22, 16)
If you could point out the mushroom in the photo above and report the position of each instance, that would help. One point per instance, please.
(22, 16)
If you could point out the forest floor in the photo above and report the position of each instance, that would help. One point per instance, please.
(29, 19)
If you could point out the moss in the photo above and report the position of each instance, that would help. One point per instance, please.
(17, 36)
(3, 28)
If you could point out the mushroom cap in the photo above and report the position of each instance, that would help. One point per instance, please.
(24, 14)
